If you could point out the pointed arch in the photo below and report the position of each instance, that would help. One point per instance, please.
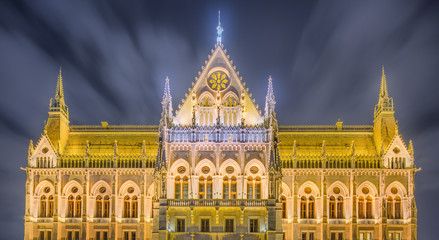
(254, 162)
(123, 190)
(286, 189)
(39, 190)
(101, 183)
(402, 191)
(201, 164)
(372, 189)
(230, 94)
(229, 162)
(150, 191)
(314, 189)
(177, 164)
(203, 96)
(344, 191)
(69, 185)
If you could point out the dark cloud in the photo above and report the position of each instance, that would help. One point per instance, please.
(325, 58)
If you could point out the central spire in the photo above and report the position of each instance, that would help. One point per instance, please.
(219, 30)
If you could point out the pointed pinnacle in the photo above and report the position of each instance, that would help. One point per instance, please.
(383, 90)
(59, 86)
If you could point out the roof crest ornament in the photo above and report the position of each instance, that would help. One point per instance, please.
(219, 30)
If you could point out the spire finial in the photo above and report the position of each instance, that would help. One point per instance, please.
(59, 86)
(383, 90)
(270, 100)
(219, 30)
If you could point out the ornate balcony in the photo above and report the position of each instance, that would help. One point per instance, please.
(217, 202)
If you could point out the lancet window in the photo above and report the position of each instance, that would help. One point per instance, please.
(205, 187)
(307, 207)
(336, 207)
(130, 207)
(206, 112)
(365, 207)
(254, 187)
(74, 206)
(229, 187)
(230, 111)
(394, 207)
(102, 206)
(181, 187)
(46, 206)
(284, 206)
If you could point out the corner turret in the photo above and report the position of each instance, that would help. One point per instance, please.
(384, 124)
(57, 125)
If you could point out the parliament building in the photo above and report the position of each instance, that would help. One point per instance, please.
(219, 168)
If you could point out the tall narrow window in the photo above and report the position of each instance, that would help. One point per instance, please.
(134, 207)
(390, 207)
(254, 225)
(250, 188)
(70, 206)
(258, 188)
(340, 207)
(177, 188)
(369, 207)
(398, 207)
(180, 225)
(185, 187)
(106, 206)
(205, 225)
(201, 188)
(98, 206)
(78, 206)
(126, 207)
(332, 207)
(284, 207)
(361, 208)
(229, 225)
(50, 209)
(311, 207)
(303, 207)
(209, 187)
(233, 188)
(226, 188)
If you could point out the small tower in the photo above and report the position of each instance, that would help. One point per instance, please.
(270, 101)
(167, 104)
(384, 124)
(57, 125)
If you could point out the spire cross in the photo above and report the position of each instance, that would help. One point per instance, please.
(219, 29)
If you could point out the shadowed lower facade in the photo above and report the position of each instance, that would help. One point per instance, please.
(220, 168)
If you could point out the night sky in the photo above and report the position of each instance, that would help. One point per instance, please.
(325, 58)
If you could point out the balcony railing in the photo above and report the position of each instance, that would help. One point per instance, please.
(217, 202)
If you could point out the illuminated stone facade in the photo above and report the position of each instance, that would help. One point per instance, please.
(217, 168)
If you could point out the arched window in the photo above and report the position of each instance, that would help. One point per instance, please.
(50, 210)
(43, 206)
(177, 188)
(284, 206)
(332, 211)
(250, 188)
(78, 206)
(134, 207)
(126, 207)
(226, 187)
(390, 207)
(106, 206)
(311, 207)
(233, 188)
(361, 208)
(70, 206)
(369, 207)
(98, 206)
(185, 187)
(340, 207)
(209, 187)
(398, 207)
(303, 207)
(257, 188)
(201, 188)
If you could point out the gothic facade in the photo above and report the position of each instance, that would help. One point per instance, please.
(220, 168)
